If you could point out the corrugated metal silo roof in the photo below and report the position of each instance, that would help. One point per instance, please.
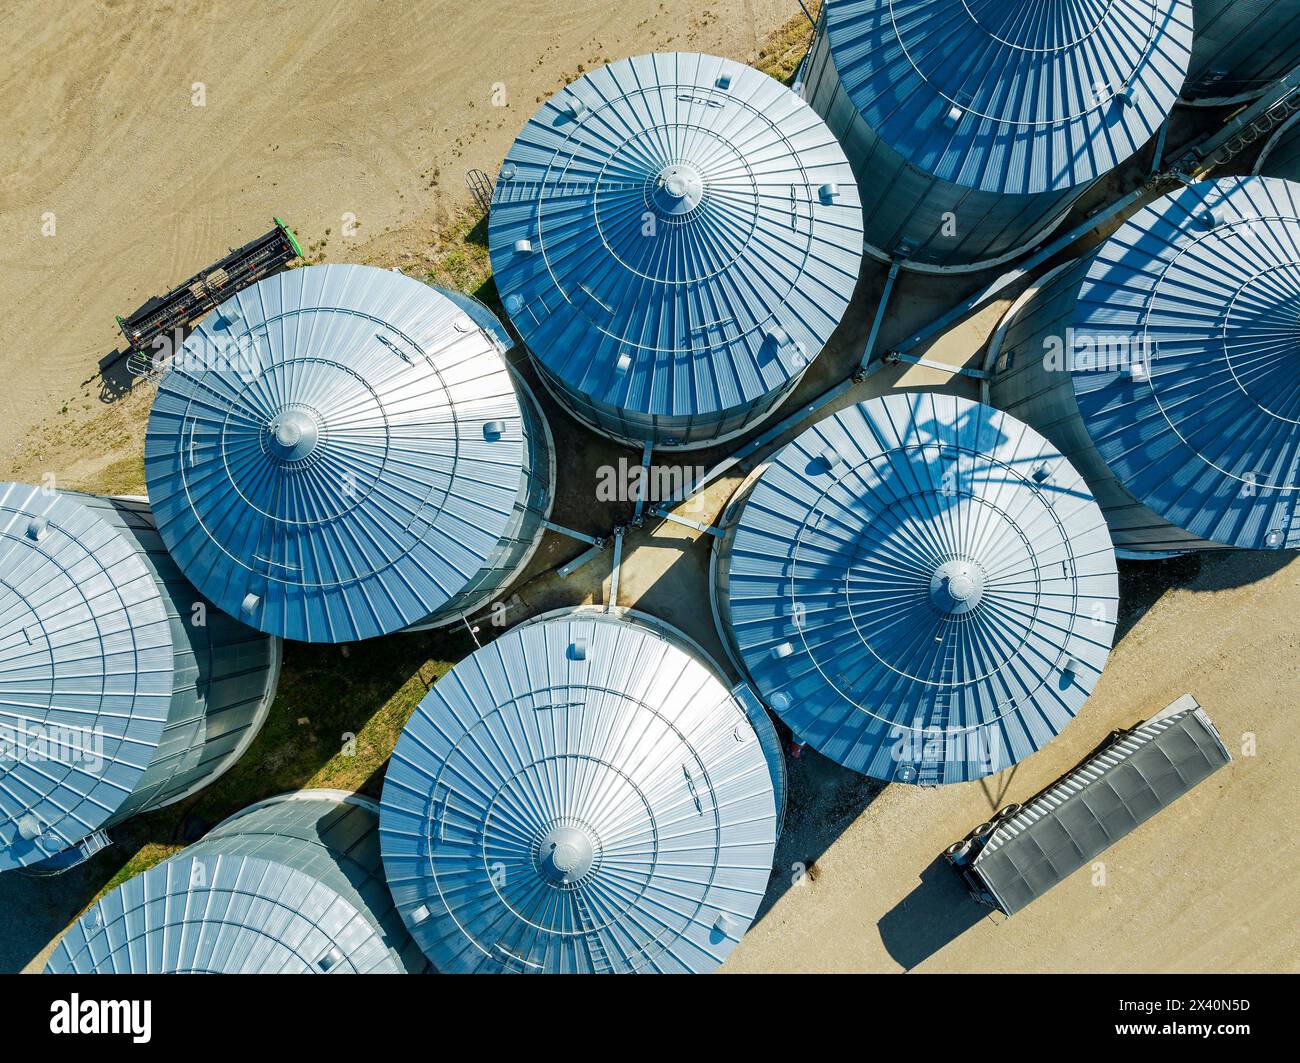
(217, 914)
(1012, 96)
(336, 454)
(581, 795)
(1281, 155)
(676, 234)
(292, 884)
(478, 312)
(1206, 432)
(922, 588)
(86, 672)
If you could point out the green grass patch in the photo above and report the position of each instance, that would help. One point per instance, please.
(786, 46)
(334, 723)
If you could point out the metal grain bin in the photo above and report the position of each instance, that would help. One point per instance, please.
(293, 885)
(1240, 48)
(121, 688)
(921, 587)
(582, 795)
(1281, 155)
(340, 452)
(974, 125)
(1162, 366)
(675, 236)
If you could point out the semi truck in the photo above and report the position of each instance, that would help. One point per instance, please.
(1025, 850)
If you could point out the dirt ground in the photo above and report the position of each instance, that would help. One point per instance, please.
(143, 139)
(316, 111)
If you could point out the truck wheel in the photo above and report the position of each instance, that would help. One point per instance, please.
(982, 831)
(956, 853)
(1007, 810)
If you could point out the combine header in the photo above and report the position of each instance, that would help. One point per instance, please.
(188, 302)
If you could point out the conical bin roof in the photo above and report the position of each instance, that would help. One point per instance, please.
(1198, 412)
(1012, 96)
(86, 672)
(581, 795)
(922, 588)
(336, 453)
(223, 915)
(675, 234)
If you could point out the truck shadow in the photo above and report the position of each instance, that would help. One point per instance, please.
(936, 912)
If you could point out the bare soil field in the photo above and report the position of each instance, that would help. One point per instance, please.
(143, 139)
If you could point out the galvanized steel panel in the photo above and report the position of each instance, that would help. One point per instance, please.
(921, 587)
(291, 886)
(1281, 156)
(675, 236)
(581, 795)
(1241, 47)
(337, 454)
(1013, 97)
(989, 116)
(770, 741)
(1209, 438)
(121, 688)
(86, 646)
(478, 312)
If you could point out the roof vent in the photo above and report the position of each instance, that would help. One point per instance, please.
(250, 604)
(37, 527)
(578, 650)
(494, 430)
(777, 335)
(523, 247)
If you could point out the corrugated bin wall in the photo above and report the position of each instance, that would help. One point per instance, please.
(1240, 47)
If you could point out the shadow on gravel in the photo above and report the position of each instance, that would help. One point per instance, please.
(937, 911)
